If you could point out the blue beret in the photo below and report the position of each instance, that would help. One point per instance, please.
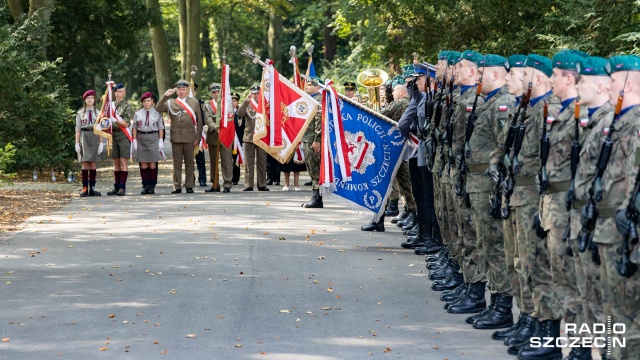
(443, 55)
(471, 55)
(593, 65)
(623, 63)
(493, 60)
(539, 62)
(516, 60)
(118, 86)
(454, 58)
(566, 60)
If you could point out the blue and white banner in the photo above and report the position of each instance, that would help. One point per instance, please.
(374, 147)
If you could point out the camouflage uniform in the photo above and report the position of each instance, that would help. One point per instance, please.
(492, 117)
(555, 220)
(120, 145)
(588, 273)
(621, 295)
(473, 267)
(311, 135)
(402, 181)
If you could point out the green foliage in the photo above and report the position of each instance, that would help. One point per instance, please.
(35, 115)
(6, 159)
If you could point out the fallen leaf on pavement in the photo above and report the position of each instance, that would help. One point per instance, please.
(5, 339)
(191, 336)
(387, 350)
(104, 349)
(112, 315)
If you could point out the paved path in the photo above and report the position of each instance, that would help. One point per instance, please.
(220, 276)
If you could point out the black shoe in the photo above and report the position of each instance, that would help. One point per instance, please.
(439, 264)
(437, 256)
(315, 202)
(212, 189)
(264, 188)
(579, 353)
(120, 192)
(203, 183)
(449, 283)
(502, 335)
(403, 215)
(473, 302)
(472, 319)
(444, 272)
(247, 189)
(113, 192)
(410, 219)
(308, 183)
(528, 328)
(177, 191)
(84, 193)
(500, 315)
(269, 182)
(412, 244)
(451, 296)
(392, 208)
(145, 190)
(152, 189)
(413, 232)
(432, 247)
(226, 190)
(93, 192)
(374, 226)
(276, 183)
(189, 190)
(548, 329)
(420, 251)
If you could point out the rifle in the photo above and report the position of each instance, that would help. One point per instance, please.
(575, 158)
(585, 238)
(512, 164)
(447, 137)
(465, 151)
(624, 266)
(432, 134)
(544, 150)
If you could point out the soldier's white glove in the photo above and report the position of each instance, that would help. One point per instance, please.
(100, 147)
(78, 148)
(134, 144)
(160, 144)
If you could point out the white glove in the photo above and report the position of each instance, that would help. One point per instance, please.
(160, 144)
(100, 147)
(135, 144)
(78, 148)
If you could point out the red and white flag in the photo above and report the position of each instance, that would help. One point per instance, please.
(331, 118)
(239, 148)
(227, 126)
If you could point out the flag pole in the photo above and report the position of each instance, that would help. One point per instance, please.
(215, 165)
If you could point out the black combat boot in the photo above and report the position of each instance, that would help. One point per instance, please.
(439, 264)
(412, 224)
(473, 302)
(451, 268)
(412, 233)
(315, 202)
(152, 189)
(392, 208)
(548, 329)
(530, 327)
(449, 283)
(437, 256)
(415, 241)
(403, 215)
(503, 334)
(579, 353)
(500, 315)
(492, 303)
(410, 219)
(374, 226)
(145, 190)
(452, 295)
(93, 192)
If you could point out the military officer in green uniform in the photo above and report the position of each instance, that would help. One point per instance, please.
(212, 119)
(120, 144)
(311, 145)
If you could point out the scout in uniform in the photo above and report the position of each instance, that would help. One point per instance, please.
(148, 133)
(311, 145)
(88, 145)
(255, 158)
(185, 132)
(120, 144)
(212, 120)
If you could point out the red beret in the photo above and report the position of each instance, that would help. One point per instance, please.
(147, 95)
(89, 93)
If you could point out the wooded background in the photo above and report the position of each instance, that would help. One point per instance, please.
(51, 51)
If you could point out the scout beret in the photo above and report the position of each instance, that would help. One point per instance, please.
(592, 65)
(623, 63)
(89, 93)
(255, 89)
(566, 60)
(516, 61)
(470, 55)
(398, 80)
(235, 95)
(539, 62)
(349, 85)
(493, 60)
(181, 83)
(454, 58)
(443, 55)
(214, 87)
(118, 86)
(147, 95)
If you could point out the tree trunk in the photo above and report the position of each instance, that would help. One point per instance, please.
(275, 38)
(206, 46)
(330, 41)
(46, 8)
(182, 24)
(160, 48)
(193, 37)
(15, 6)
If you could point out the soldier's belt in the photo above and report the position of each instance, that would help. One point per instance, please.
(525, 180)
(86, 129)
(578, 204)
(558, 187)
(147, 132)
(476, 168)
(607, 211)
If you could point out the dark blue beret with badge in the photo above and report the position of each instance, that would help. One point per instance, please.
(118, 87)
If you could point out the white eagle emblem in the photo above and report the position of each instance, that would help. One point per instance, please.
(360, 151)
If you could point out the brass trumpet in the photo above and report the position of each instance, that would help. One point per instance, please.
(372, 79)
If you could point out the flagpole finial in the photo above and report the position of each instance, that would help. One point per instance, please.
(248, 52)
(310, 49)
(109, 73)
(293, 54)
(194, 70)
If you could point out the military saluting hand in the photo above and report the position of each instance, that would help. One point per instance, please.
(170, 92)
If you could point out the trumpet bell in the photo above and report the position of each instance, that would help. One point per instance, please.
(372, 79)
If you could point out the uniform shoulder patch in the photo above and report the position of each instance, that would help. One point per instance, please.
(503, 107)
(469, 108)
(584, 122)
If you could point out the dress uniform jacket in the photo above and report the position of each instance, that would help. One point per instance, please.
(182, 128)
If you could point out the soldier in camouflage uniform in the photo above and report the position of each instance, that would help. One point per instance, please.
(492, 116)
(594, 97)
(621, 295)
(120, 145)
(473, 269)
(534, 268)
(311, 145)
(514, 81)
